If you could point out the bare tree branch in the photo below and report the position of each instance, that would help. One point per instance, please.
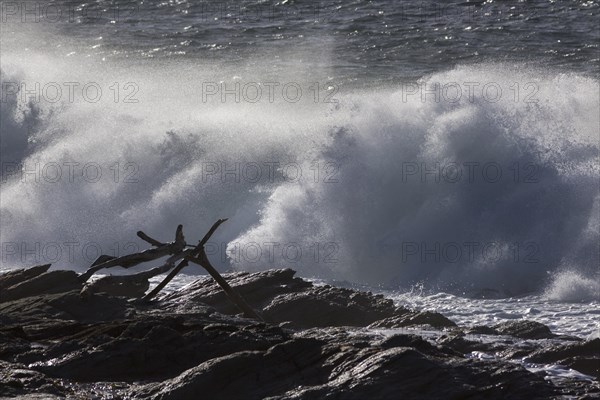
(198, 255)
(136, 258)
(178, 252)
(148, 239)
(165, 281)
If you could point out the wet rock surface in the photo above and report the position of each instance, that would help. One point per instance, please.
(581, 356)
(524, 330)
(317, 342)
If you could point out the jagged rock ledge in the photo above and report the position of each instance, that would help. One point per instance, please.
(62, 338)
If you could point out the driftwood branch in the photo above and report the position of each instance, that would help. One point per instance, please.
(130, 260)
(198, 256)
(134, 285)
(210, 232)
(165, 281)
(184, 254)
(179, 252)
(148, 239)
(203, 261)
(231, 293)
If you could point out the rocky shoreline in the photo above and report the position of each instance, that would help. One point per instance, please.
(61, 338)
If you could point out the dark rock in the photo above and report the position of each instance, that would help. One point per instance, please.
(190, 344)
(461, 345)
(284, 298)
(350, 373)
(64, 307)
(154, 348)
(232, 376)
(408, 318)
(512, 352)
(18, 381)
(481, 330)
(126, 286)
(524, 330)
(321, 306)
(402, 340)
(12, 278)
(45, 283)
(258, 289)
(583, 356)
(12, 342)
(418, 343)
(587, 365)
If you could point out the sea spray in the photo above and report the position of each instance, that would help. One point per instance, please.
(491, 189)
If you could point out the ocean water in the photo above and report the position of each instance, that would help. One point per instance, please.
(440, 153)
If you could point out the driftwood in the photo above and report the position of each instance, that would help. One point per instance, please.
(178, 250)
(125, 285)
(184, 254)
(137, 258)
(198, 256)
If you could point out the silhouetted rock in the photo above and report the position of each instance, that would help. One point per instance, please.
(328, 306)
(463, 345)
(524, 330)
(12, 278)
(406, 318)
(47, 282)
(481, 330)
(126, 286)
(191, 344)
(337, 369)
(19, 381)
(247, 374)
(258, 289)
(64, 307)
(154, 348)
(582, 356)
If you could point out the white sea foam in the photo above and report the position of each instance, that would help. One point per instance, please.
(571, 286)
(366, 217)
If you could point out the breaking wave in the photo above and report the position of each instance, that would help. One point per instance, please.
(490, 189)
(571, 286)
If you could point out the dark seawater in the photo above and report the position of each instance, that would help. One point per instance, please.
(451, 145)
(380, 41)
(363, 39)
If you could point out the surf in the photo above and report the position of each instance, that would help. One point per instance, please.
(387, 187)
